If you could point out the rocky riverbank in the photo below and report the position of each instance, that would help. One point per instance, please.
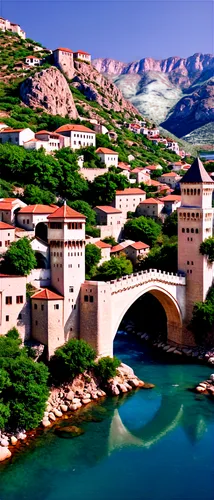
(83, 390)
(206, 387)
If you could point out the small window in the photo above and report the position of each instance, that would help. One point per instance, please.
(42, 307)
(20, 316)
(19, 299)
(192, 230)
(196, 230)
(187, 230)
(35, 306)
(85, 298)
(56, 306)
(71, 289)
(8, 300)
(7, 318)
(183, 230)
(188, 262)
(36, 322)
(91, 298)
(28, 221)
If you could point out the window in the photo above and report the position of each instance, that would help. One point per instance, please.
(56, 306)
(36, 322)
(8, 300)
(91, 298)
(35, 306)
(55, 225)
(19, 299)
(85, 298)
(187, 230)
(183, 230)
(192, 230)
(71, 289)
(42, 307)
(20, 316)
(192, 263)
(0, 243)
(196, 230)
(7, 318)
(188, 262)
(23, 221)
(28, 221)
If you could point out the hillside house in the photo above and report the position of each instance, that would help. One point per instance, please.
(16, 136)
(171, 203)
(63, 59)
(9, 208)
(151, 207)
(14, 310)
(136, 251)
(124, 168)
(110, 221)
(77, 136)
(152, 168)
(128, 199)
(172, 145)
(105, 251)
(108, 157)
(171, 179)
(135, 127)
(7, 236)
(6, 25)
(144, 130)
(153, 132)
(33, 61)
(140, 175)
(82, 56)
(50, 141)
(30, 216)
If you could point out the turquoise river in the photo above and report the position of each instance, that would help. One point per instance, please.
(148, 445)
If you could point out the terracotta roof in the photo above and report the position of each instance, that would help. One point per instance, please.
(11, 276)
(153, 167)
(123, 166)
(64, 50)
(5, 206)
(135, 125)
(37, 209)
(152, 182)
(66, 212)
(3, 225)
(47, 294)
(109, 210)
(178, 163)
(74, 128)
(32, 140)
(102, 244)
(42, 132)
(131, 191)
(171, 197)
(170, 174)
(117, 248)
(106, 151)
(6, 200)
(32, 57)
(82, 52)
(139, 245)
(137, 169)
(11, 130)
(196, 173)
(151, 201)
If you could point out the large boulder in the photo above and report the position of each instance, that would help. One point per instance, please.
(4, 453)
(48, 89)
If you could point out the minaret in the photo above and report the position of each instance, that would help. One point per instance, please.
(195, 223)
(66, 237)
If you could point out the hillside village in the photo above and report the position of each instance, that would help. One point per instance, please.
(105, 140)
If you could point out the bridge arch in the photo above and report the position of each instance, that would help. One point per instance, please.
(166, 299)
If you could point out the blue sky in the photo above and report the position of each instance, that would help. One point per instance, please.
(123, 30)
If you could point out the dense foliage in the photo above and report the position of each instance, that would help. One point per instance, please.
(207, 248)
(163, 258)
(23, 385)
(170, 225)
(102, 189)
(203, 317)
(72, 358)
(92, 258)
(114, 268)
(106, 368)
(142, 229)
(19, 259)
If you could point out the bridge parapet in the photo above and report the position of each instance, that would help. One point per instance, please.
(142, 277)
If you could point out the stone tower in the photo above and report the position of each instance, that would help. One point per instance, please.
(63, 59)
(66, 237)
(195, 223)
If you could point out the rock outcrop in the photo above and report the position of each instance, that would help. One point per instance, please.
(48, 89)
(98, 88)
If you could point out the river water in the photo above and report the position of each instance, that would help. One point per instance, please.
(148, 445)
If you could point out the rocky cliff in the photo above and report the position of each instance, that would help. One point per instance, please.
(48, 89)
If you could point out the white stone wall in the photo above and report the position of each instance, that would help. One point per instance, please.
(82, 139)
(6, 238)
(109, 159)
(13, 310)
(91, 173)
(128, 202)
(17, 138)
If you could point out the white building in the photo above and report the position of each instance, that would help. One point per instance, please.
(7, 235)
(172, 145)
(108, 157)
(50, 141)
(82, 56)
(16, 136)
(153, 132)
(6, 25)
(9, 208)
(171, 203)
(29, 216)
(32, 61)
(128, 199)
(79, 136)
(171, 179)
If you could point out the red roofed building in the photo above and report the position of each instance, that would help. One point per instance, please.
(171, 179)
(108, 157)
(63, 59)
(151, 207)
(16, 136)
(171, 203)
(9, 208)
(137, 251)
(32, 215)
(7, 235)
(110, 221)
(82, 56)
(78, 136)
(105, 251)
(128, 200)
(32, 61)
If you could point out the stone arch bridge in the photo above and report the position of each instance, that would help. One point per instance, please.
(104, 304)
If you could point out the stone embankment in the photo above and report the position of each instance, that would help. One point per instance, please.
(206, 387)
(84, 389)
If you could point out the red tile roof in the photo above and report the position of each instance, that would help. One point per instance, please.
(109, 210)
(74, 128)
(117, 248)
(139, 245)
(66, 212)
(3, 225)
(64, 50)
(106, 151)
(170, 174)
(47, 294)
(43, 132)
(82, 52)
(123, 166)
(11, 130)
(151, 201)
(130, 191)
(102, 244)
(32, 57)
(153, 167)
(5, 206)
(37, 209)
(171, 197)
(152, 182)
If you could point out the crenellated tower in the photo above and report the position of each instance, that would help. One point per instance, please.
(195, 224)
(66, 237)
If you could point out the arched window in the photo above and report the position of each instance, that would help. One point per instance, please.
(187, 191)
(191, 191)
(199, 191)
(194, 191)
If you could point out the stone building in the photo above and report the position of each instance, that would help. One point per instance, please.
(16, 136)
(63, 59)
(78, 136)
(7, 236)
(6, 25)
(151, 207)
(108, 157)
(110, 221)
(128, 199)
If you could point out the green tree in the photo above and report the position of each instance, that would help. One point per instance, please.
(142, 229)
(72, 358)
(207, 248)
(92, 258)
(35, 195)
(102, 189)
(170, 226)
(106, 368)
(84, 208)
(115, 268)
(20, 258)
(202, 320)
(163, 258)
(110, 240)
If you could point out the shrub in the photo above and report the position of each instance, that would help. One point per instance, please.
(20, 258)
(207, 248)
(72, 358)
(106, 368)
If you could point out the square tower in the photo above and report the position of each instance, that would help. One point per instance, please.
(195, 223)
(66, 237)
